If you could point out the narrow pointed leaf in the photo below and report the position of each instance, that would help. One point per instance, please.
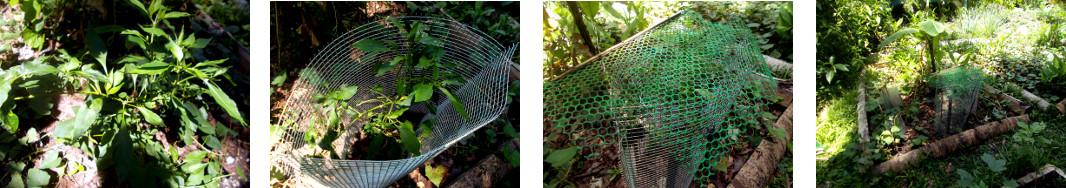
(223, 100)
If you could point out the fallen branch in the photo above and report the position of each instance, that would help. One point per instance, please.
(777, 65)
(948, 145)
(488, 171)
(864, 130)
(1029, 178)
(1032, 98)
(1062, 106)
(762, 164)
(1012, 103)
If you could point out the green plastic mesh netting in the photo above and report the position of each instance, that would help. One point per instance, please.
(669, 99)
(958, 91)
(481, 61)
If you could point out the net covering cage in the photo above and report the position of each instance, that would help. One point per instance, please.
(671, 99)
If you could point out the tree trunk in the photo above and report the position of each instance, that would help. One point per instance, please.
(948, 145)
(580, 22)
(762, 164)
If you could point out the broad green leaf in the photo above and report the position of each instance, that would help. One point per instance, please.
(896, 36)
(151, 68)
(37, 178)
(210, 63)
(409, 139)
(176, 49)
(193, 168)
(51, 160)
(154, 7)
(11, 121)
(37, 69)
(84, 116)
(326, 143)
(280, 79)
(32, 38)
(779, 133)
(455, 102)
(31, 136)
(386, 67)
(396, 114)
(723, 164)
(213, 142)
(422, 92)
(16, 181)
(435, 175)
(195, 179)
(428, 40)
(154, 31)
(611, 11)
(932, 27)
(406, 101)
(510, 131)
(150, 116)
(170, 15)
(560, 157)
(994, 164)
(123, 151)
(206, 128)
(139, 5)
(370, 45)
(223, 100)
(195, 157)
(347, 92)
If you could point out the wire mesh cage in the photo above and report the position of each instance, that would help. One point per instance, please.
(958, 91)
(669, 98)
(481, 61)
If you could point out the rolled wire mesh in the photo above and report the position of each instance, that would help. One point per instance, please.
(958, 91)
(667, 97)
(481, 61)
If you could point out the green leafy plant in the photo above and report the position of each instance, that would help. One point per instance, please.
(1028, 132)
(929, 31)
(560, 161)
(1054, 71)
(129, 100)
(424, 54)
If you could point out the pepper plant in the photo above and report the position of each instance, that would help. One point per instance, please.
(383, 121)
(130, 100)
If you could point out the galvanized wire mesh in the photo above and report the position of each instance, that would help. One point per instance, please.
(958, 91)
(480, 60)
(669, 97)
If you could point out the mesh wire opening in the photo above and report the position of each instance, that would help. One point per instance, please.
(958, 91)
(669, 97)
(480, 60)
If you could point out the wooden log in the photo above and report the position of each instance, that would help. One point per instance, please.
(488, 171)
(1029, 178)
(948, 145)
(762, 164)
(1012, 103)
(864, 130)
(1062, 106)
(1032, 98)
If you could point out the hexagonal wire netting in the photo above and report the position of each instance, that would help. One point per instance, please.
(670, 98)
(481, 61)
